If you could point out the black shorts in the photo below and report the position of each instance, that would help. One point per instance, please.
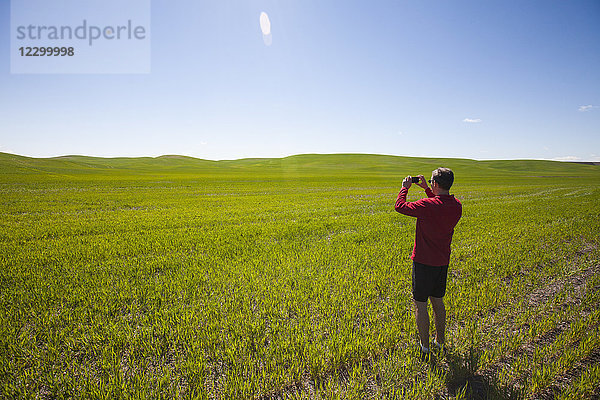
(428, 281)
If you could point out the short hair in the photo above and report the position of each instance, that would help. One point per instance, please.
(444, 177)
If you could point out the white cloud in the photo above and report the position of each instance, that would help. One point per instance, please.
(567, 158)
(471, 120)
(586, 108)
(590, 158)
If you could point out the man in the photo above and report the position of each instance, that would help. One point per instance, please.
(437, 215)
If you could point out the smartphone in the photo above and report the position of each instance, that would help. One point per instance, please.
(415, 179)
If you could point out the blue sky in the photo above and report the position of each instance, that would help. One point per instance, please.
(472, 79)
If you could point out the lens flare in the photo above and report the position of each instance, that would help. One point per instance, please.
(265, 23)
(265, 27)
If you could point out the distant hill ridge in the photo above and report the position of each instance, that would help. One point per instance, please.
(587, 162)
(302, 164)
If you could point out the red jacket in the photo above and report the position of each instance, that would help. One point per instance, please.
(436, 218)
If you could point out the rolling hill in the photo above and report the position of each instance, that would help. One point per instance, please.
(343, 165)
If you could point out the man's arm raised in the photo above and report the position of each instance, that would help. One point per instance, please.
(412, 209)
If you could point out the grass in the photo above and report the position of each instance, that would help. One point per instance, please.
(173, 277)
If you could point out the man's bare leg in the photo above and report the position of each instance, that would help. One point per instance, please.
(439, 316)
(422, 316)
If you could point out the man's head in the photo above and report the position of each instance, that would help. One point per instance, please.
(443, 177)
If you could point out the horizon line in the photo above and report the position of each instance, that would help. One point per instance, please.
(580, 161)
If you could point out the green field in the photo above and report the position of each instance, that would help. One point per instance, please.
(174, 277)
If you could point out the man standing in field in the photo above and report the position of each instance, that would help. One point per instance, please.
(437, 215)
